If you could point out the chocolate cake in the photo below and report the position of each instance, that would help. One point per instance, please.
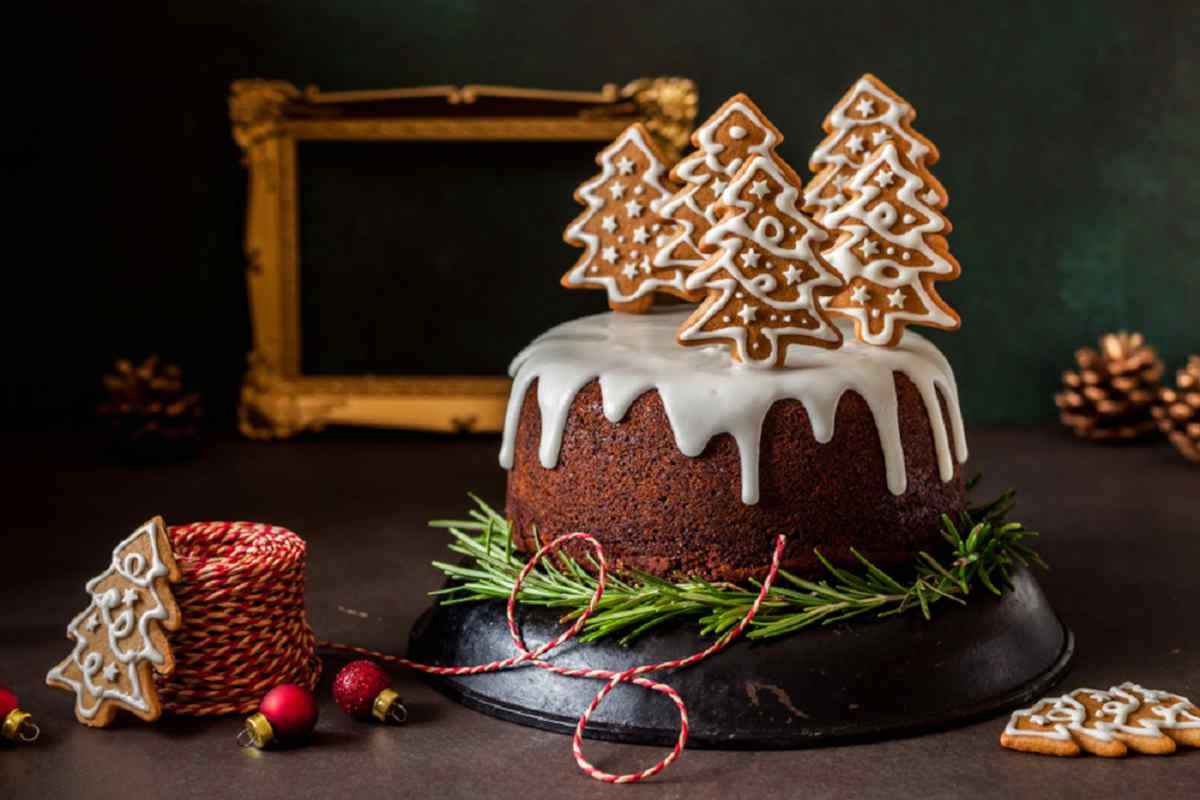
(683, 463)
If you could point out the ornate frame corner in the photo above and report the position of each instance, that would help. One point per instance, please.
(269, 117)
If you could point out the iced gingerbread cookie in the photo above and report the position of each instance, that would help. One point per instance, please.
(891, 248)
(620, 225)
(120, 638)
(766, 280)
(1105, 723)
(734, 133)
(868, 115)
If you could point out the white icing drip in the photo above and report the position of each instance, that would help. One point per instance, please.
(704, 394)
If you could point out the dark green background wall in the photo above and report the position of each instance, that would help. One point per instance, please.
(1070, 134)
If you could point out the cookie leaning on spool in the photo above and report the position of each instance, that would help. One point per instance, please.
(121, 637)
(232, 626)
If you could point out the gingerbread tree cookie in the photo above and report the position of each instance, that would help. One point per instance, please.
(120, 638)
(866, 117)
(735, 132)
(766, 280)
(890, 249)
(1110, 724)
(620, 224)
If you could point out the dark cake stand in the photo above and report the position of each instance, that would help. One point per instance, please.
(869, 679)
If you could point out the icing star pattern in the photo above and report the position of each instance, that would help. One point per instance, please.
(890, 247)
(620, 216)
(736, 131)
(764, 288)
(122, 631)
(888, 118)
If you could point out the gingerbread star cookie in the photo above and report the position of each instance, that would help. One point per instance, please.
(120, 638)
(1105, 723)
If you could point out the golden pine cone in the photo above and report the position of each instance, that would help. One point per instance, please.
(149, 413)
(1178, 411)
(1112, 393)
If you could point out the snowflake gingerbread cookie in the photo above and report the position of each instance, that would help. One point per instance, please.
(619, 227)
(891, 248)
(120, 638)
(1110, 724)
(766, 280)
(734, 133)
(868, 115)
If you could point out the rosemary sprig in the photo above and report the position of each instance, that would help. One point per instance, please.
(982, 549)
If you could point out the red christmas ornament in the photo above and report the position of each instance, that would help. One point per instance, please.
(287, 714)
(364, 690)
(15, 725)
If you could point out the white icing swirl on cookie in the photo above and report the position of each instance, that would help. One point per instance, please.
(704, 394)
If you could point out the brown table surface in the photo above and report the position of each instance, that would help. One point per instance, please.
(1121, 529)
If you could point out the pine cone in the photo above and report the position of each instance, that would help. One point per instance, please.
(149, 414)
(1178, 411)
(1112, 394)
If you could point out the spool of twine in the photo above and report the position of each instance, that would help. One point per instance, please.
(245, 630)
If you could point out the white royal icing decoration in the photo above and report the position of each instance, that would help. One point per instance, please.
(844, 125)
(1069, 716)
(91, 693)
(591, 191)
(705, 394)
(690, 173)
(863, 217)
(721, 273)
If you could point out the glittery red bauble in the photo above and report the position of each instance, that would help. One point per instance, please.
(8, 702)
(357, 686)
(291, 710)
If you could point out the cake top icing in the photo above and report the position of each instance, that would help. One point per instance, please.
(704, 394)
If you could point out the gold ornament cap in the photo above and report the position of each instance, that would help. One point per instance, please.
(388, 707)
(257, 732)
(19, 727)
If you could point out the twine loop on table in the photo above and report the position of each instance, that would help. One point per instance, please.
(612, 679)
(245, 630)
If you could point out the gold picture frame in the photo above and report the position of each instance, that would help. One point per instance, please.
(270, 117)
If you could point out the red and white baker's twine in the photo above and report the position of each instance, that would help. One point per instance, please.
(245, 630)
(244, 626)
(613, 679)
